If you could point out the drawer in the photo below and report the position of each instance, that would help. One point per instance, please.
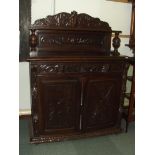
(49, 67)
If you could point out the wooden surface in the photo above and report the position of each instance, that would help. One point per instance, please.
(85, 35)
(77, 84)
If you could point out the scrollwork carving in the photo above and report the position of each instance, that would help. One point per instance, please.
(68, 68)
(50, 68)
(34, 90)
(95, 68)
(71, 39)
(101, 111)
(72, 20)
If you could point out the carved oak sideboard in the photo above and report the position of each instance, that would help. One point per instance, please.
(77, 83)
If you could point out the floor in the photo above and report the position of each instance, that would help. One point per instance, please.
(117, 144)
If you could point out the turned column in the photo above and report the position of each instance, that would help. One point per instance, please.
(33, 43)
(116, 43)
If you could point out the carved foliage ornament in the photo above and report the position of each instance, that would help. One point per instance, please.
(72, 20)
(103, 98)
(70, 39)
(77, 67)
(67, 68)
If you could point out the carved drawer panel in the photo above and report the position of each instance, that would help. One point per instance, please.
(77, 67)
(71, 41)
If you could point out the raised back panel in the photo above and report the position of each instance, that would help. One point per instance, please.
(69, 34)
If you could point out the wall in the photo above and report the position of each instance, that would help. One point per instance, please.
(116, 14)
(41, 8)
(24, 87)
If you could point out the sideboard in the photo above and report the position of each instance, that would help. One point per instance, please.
(77, 82)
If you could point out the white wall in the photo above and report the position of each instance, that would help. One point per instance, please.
(116, 14)
(24, 86)
(41, 8)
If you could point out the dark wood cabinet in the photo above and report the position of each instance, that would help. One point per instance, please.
(76, 99)
(77, 83)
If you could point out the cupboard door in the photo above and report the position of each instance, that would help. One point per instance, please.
(59, 102)
(101, 102)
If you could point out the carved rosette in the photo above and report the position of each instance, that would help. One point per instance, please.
(34, 90)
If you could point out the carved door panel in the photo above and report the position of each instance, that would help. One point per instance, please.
(59, 104)
(101, 103)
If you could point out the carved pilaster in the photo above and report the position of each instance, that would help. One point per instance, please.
(34, 90)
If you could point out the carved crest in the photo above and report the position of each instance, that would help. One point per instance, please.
(72, 20)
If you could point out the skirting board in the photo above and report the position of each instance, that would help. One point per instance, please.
(123, 1)
(24, 113)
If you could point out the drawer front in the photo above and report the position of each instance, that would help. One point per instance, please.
(43, 68)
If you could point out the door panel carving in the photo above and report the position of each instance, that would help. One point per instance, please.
(59, 103)
(101, 103)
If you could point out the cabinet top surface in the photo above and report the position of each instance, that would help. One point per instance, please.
(79, 58)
